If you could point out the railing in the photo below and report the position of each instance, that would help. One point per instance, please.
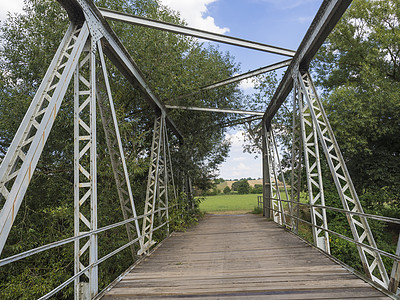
(393, 290)
(260, 202)
(49, 246)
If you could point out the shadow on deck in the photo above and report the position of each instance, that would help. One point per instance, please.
(236, 257)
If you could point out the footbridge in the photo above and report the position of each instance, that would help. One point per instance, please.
(238, 256)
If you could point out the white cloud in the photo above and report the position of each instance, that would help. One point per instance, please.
(239, 158)
(304, 20)
(288, 4)
(246, 84)
(238, 164)
(12, 6)
(195, 14)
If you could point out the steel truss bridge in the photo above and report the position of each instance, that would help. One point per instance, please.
(81, 60)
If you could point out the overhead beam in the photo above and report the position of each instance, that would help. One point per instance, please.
(218, 110)
(239, 121)
(78, 11)
(247, 75)
(325, 20)
(207, 35)
(238, 78)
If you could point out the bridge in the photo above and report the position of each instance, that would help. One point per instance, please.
(214, 261)
(224, 256)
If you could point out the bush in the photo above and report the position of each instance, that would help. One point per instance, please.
(243, 187)
(227, 190)
(257, 210)
(257, 189)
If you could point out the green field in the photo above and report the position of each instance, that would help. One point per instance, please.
(232, 202)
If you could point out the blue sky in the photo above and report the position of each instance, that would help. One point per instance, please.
(281, 23)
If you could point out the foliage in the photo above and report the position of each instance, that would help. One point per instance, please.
(186, 212)
(243, 186)
(257, 189)
(227, 190)
(172, 65)
(257, 210)
(358, 69)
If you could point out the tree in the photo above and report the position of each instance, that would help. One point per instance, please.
(227, 190)
(358, 69)
(235, 185)
(173, 65)
(243, 187)
(257, 189)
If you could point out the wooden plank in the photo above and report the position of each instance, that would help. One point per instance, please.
(237, 257)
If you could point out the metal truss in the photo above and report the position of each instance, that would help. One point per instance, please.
(118, 162)
(395, 274)
(275, 173)
(360, 229)
(157, 184)
(85, 170)
(135, 20)
(296, 162)
(18, 165)
(313, 172)
(219, 110)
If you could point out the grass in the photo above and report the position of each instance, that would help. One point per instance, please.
(236, 202)
(230, 202)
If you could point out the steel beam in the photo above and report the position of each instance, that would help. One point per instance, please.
(207, 35)
(296, 162)
(325, 20)
(78, 11)
(21, 159)
(247, 75)
(312, 164)
(155, 180)
(85, 172)
(219, 110)
(371, 260)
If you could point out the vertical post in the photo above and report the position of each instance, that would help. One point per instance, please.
(152, 191)
(296, 161)
(85, 172)
(93, 280)
(266, 176)
(312, 163)
(395, 274)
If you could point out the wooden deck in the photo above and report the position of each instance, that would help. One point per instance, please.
(239, 257)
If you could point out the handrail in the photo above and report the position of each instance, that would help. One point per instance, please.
(49, 246)
(376, 217)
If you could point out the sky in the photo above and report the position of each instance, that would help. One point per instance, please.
(281, 23)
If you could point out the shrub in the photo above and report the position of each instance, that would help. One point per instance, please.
(227, 190)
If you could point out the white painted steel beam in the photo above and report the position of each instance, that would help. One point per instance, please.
(371, 260)
(24, 152)
(247, 75)
(207, 35)
(218, 110)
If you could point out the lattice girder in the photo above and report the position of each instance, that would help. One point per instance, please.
(360, 229)
(18, 165)
(296, 162)
(313, 172)
(85, 172)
